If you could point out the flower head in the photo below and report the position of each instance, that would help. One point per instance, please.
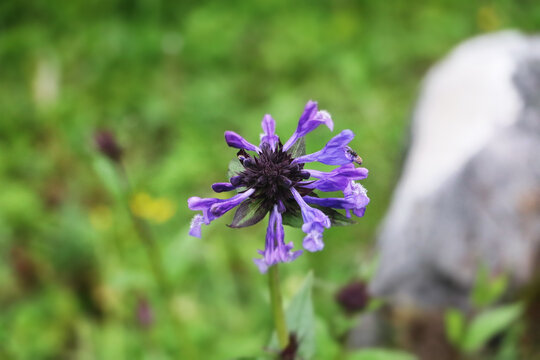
(271, 178)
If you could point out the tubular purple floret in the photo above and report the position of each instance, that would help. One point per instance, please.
(275, 250)
(335, 152)
(236, 141)
(310, 119)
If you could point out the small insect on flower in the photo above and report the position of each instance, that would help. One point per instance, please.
(272, 179)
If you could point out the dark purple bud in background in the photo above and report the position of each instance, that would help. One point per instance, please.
(353, 297)
(145, 315)
(107, 145)
(291, 350)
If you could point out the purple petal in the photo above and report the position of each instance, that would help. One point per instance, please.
(236, 141)
(222, 187)
(203, 204)
(262, 265)
(337, 179)
(310, 119)
(356, 194)
(220, 208)
(275, 250)
(314, 223)
(336, 203)
(336, 151)
(212, 208)
(195, 227)
(359, 212)
(269, 127)
(355, 199)
(313, 240)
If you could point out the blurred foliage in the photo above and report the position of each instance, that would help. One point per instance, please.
(169, 78)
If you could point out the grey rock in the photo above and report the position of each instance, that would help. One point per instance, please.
(469, 194)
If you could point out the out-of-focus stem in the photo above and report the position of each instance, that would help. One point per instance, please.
(146, 237)
(277, 307)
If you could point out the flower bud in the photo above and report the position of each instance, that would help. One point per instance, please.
(107, 145)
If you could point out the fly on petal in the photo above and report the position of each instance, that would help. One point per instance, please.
(336, 151)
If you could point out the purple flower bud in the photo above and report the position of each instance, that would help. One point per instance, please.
(223, 187)
(236, 141)
(269, 127)
(236, 181)
(353, 297)
(107, 145)
(145, 315)
(291, 350)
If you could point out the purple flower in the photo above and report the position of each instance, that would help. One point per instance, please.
(273, 180)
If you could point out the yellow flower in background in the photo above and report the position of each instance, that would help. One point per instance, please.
(157, 210)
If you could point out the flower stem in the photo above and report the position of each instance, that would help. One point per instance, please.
(277, 307)
(145, 236)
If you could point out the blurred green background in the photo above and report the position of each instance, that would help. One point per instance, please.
(168, 78)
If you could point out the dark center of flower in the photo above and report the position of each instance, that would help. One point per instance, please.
(271, 174)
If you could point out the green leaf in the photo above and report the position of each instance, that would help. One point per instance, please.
(301, 320)
(235, 168)
(249, 213)
(107, 172)
(380, 354)
(488, 289)
(298, 149)
(293, 219)
(454, 322)
(488, 324)
(327, 345)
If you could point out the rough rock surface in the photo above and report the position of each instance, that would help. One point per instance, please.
(469, 194)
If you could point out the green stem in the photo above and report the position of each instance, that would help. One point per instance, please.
(144, 234)
(277, 307)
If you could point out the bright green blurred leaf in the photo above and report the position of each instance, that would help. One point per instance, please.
(380, 354)
(454, 322)
(299, 148)
(488, 289)
(235, 168)
(327, 347)
(301, 320)
(488, 324)
(106, 171)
